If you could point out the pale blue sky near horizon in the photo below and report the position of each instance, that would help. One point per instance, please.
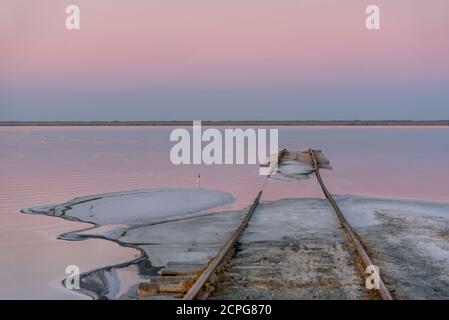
(351, 103)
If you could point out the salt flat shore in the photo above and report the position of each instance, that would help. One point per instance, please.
(147, 220)
(408, 240)
(292, 248)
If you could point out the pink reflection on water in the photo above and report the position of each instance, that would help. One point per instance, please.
(51, 165)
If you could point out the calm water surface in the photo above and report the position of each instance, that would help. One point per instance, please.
(53, 164)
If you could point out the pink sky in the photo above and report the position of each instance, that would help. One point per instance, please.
(177, 41)
(219, 59)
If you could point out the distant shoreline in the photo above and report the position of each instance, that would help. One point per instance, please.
(347, 123)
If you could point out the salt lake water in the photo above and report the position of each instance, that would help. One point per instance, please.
(44, 165)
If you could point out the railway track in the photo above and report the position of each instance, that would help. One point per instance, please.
(202, 286)
(361, 252)
(208, 279)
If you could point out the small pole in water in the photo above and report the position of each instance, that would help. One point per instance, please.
(198, 181)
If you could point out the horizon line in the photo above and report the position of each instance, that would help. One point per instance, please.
(230, 122)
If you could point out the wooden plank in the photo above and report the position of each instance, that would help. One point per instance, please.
(147, 289)
(181, 271)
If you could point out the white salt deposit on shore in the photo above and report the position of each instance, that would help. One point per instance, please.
(362, 211)
(408, 240)
(148, 220)
(136, 206)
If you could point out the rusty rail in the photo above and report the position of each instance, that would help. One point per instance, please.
(366, 260)
(195, 291)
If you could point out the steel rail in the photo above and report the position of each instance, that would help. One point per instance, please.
(195, 291)
(366, 260)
